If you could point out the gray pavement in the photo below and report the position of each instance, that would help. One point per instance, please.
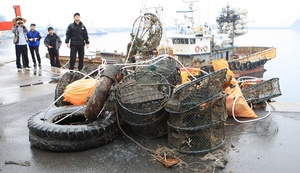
(269, 145)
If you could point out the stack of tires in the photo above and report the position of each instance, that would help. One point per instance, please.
(55, 131)
(197, 114)
(64, 128)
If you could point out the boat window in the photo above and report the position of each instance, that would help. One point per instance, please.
(192, 41)
(182, 41)
(176, 41)
(186, 41)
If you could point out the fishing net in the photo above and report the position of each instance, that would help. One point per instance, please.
(262, 91)
(140, 98)
(197, 139)
(200, 129)
(211, 112)
(157, 128)
(166, 66)
(194, 93)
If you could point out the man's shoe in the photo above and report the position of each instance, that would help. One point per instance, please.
(27, 68)
(19, 69)
(34, 65)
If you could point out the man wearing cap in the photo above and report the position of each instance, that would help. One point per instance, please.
(20, 40)
(34, 38)
(76, 39)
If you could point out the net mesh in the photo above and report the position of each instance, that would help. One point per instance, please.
(196, 140)
(166, 66)
(210, 112)
(262, 91)
(143, 92)
(141, 97)
(194, 93)
(156, 128)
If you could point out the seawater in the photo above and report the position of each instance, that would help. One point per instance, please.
(286, 65)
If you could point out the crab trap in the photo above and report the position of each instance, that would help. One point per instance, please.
(262, 91)
(200, 129)
(166, 66)
(196, 92)
(211, 112)
(196, 139)
(140, 98)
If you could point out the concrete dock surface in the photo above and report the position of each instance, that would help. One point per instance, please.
(270, 145)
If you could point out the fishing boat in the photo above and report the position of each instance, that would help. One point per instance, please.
(198, 47)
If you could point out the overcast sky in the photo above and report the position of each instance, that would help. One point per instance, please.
(121, 13)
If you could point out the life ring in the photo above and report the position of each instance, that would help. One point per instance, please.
(205, 48)
(197, 48)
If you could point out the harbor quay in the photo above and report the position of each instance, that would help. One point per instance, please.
(268, 145)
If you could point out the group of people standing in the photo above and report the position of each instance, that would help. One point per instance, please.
(76, 39)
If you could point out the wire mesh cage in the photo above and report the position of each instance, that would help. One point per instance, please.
(211, 112)
(262, 91)
(156, 128)
(166, 66)
(197, 139)
(194, 93)
(141, 97)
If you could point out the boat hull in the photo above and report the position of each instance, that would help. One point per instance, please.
(97, 58)
(243, 61)
(257, 72)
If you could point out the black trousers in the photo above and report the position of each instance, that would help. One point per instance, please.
(74, 50)
(22, 50)
(54, 58)
(37, 53)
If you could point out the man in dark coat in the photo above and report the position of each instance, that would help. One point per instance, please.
(76, 39)
(53, 43)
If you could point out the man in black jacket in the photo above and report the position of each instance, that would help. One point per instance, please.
(53, 43)
(76, 39)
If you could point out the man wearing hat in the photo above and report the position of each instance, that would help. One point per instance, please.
(76, 39)
(34, 38)
(20, 40)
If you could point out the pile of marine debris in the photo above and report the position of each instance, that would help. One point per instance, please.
(153, 102)
(156, 97)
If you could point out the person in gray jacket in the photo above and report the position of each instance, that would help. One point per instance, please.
(53, 43)
(20, 41)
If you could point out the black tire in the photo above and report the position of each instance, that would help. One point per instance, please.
(254, 65)
(237, 64)
(243, 67)
(89, 68)
(71, 134)
(65, 80)
(264, 61)
(231, 65)
(211, 69)
(248, 65)
(204, 68)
